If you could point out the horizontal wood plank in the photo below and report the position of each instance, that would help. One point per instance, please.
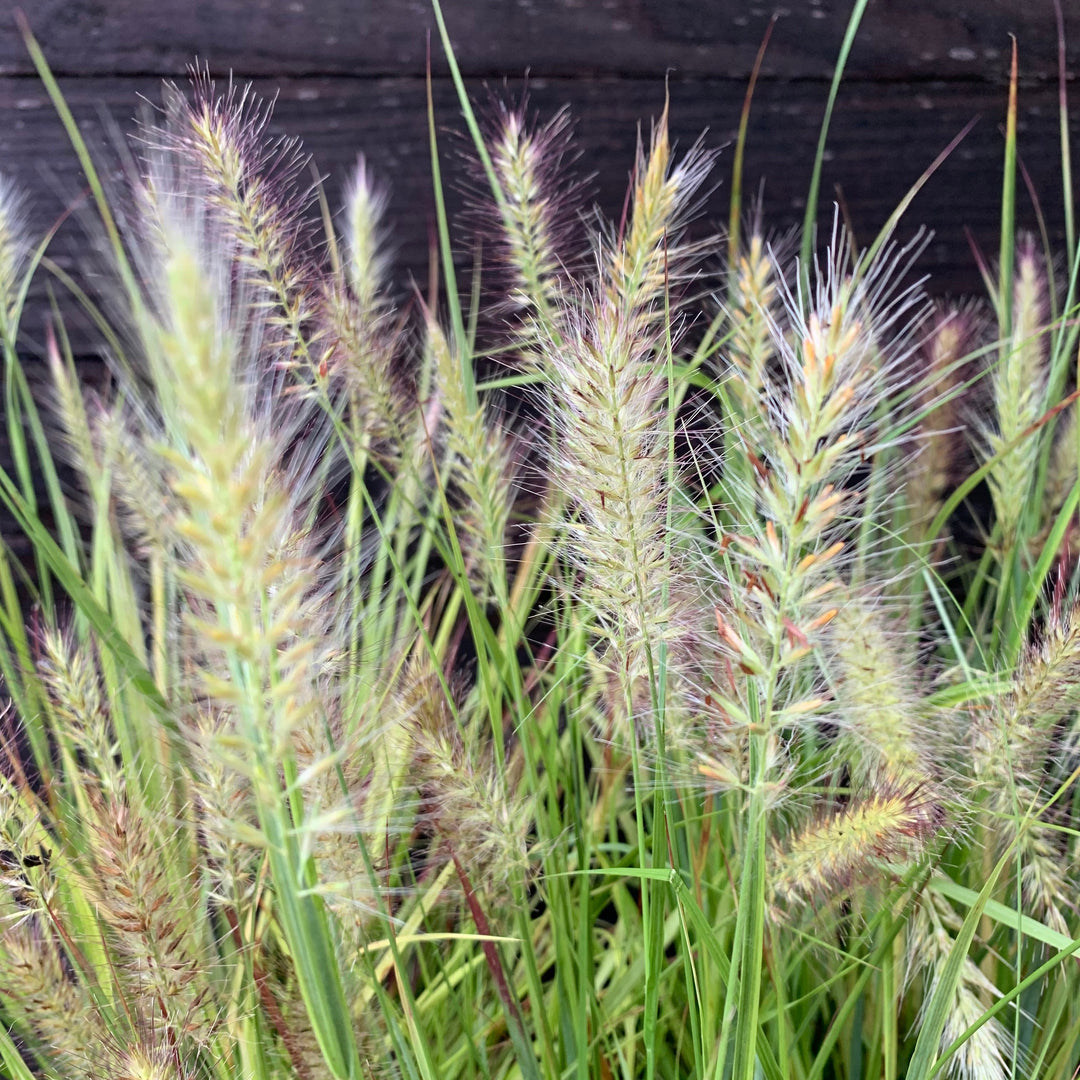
(881, 140)
(899, 39)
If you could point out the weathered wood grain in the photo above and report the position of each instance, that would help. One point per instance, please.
(882, 139)
(900, 39)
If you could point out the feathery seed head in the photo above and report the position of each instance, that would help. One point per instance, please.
(69, 674)
(1018, 389)
(332, 735)
(930, 944)
(835, 368)
(875, 831)
(803, 419)
(137, 1061)
(753, 303)
(1061, 474)
(361, 348)
(481, 464)
(1041, 855)
(875, 690)
(651, 254)
(247, 185)
(539, 200)
(366, 266)
(145, 504)
(226, 813)
(984, 1056)
(1017, 737)
(606, 386)
(71, 405)
(27, 878)
(946, 367)
(1047, 684)
(356, 339)
(192, 339)
(158, 931)
(482, 813)
(1016, 749)
(1031, 304)
(247, 469)
(50, 1010)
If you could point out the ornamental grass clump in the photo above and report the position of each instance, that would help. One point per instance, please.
(662, 664)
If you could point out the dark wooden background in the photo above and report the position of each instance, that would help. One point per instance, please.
(351, 77)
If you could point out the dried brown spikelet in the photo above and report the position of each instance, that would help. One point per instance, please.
(158, 932)
(299, 1038)
(941, 457)
(722, 759)
(850, 845)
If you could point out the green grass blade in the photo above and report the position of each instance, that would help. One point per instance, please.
(735, 206)
(453, 299)
(925, 1057)
(77, 589)
(1007, 245)
(806, 249)
(1063, 129)
(86, 162)
(1005, 916)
